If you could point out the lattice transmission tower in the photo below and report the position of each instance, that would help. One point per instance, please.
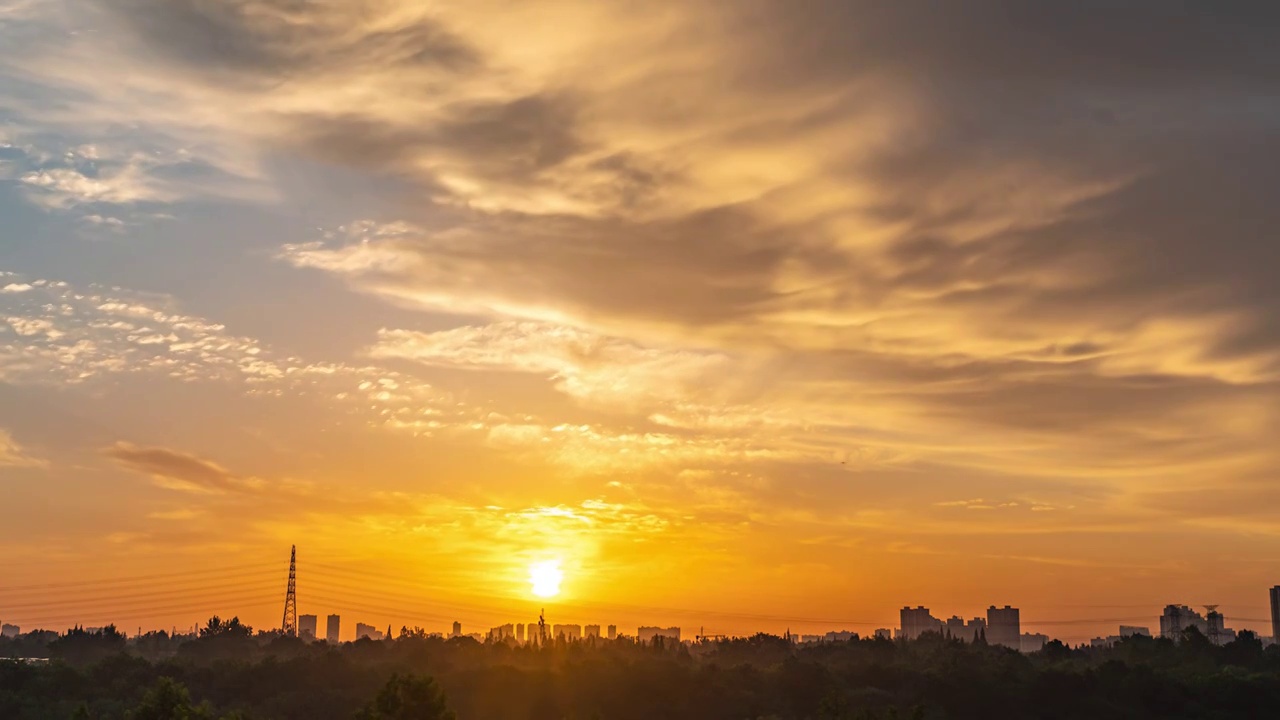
(290, 624)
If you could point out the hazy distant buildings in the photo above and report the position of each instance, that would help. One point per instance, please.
(457, 630)
(307, 625)
(1275, 613)
(520, 632)
(916, 621)
(1032, 642)
(332, 629)
(1132, 630)
(971, 631)
(884, 634)
(1004, 627)
(569, 633)
(613, 632)
(368, 631)
(1217, 630)
(502, 633)
(591, 632)
(10, 631)
(1177, 618)
(647, 635)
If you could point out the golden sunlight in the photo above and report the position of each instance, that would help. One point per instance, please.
(545, 577)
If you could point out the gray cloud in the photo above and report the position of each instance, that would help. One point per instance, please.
(271, 39)
(176, 470)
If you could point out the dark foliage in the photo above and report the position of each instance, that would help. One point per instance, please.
(239, 675)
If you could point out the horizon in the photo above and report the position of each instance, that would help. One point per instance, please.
(736, 315)
(378, 613)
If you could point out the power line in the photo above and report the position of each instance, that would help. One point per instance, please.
(201, 591)
(135, 579)
(148, 612)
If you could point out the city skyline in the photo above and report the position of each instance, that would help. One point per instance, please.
(997, 626)
(748, 315)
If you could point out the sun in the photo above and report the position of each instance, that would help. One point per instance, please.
(545, 577)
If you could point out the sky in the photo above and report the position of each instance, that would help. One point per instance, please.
(750, 315)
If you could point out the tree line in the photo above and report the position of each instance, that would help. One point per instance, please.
(229, 672)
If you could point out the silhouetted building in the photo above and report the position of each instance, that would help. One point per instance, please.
(457, 629)
(646, 635)
(1032, 642)
(1004, 627)
(307, 625)
(914, 622)
(1216, 628)
(566, 632)
(1177, 618)
(502, 633)
(970, 631)
(884, 634)
(613, 632)
(591, 631)
(332, 628)
(10, 631)
(368, 631)
(1132, 630)
(520, 632)
(1275, 613)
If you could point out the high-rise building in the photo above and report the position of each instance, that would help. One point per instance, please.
(591, 631)
(307, 625)
(647, 635)
(1131, 630)
(1177, 618)
(457, 629)
(332, 627)
(1216, 628)
(520, 632)
(613, 632)
(367, 631)
(570, 633)
(917, 621)
(1032, 642)
(957, 628)
(502, 633)
(1275, 613)
(884, 634)
(1004, 627)
(10, 631)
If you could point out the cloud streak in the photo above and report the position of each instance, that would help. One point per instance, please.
(13, 455)
(178, 471)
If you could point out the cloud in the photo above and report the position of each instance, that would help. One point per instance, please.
(13, 455)
(177, 470)
(584, 365)
(868, 259)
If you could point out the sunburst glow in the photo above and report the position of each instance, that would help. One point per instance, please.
(545, 578)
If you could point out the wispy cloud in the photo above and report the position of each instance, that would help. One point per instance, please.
(13, 455)
(582, 364)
